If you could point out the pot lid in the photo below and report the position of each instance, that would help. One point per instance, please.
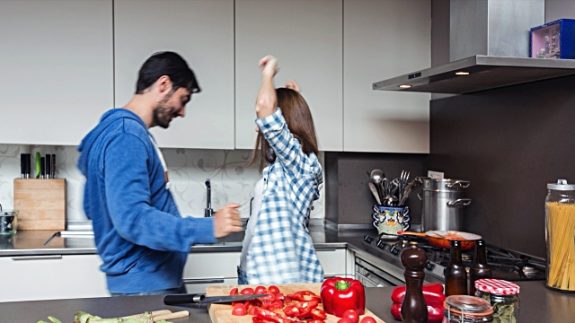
(561, 185)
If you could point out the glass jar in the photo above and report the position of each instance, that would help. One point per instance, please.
(560, 235)
(502, 295)
(466, 309)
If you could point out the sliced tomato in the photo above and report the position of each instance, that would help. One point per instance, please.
(261, 290)
(274, 289)
(234, 291)
(318, 314)
(247, 291)
(239, 310)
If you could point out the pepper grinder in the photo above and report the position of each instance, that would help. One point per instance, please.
(414, 308)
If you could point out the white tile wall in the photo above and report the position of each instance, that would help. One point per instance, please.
(232, 180)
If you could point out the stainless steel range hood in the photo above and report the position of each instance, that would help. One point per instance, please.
(478, 73)
(487, 42)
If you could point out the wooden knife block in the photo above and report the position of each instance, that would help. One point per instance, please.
(41, 204)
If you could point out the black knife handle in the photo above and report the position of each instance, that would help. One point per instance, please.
(176, 299)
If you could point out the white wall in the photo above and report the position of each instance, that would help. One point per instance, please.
(232, 180)
(558, 9)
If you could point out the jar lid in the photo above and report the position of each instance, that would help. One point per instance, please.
(497, 286)
(468, 306)
(561, 185)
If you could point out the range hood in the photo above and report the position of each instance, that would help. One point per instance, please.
(488, 45)
(478, 73)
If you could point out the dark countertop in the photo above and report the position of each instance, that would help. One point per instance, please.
(538, 304)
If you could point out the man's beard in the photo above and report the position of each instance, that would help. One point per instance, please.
(163, 115)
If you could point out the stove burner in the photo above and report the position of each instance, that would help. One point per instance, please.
(505, 264)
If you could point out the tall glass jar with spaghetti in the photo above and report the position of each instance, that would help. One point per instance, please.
(560, 235)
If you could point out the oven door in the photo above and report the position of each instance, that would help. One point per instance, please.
(372, 276)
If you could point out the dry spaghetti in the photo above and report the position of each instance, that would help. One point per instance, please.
(561, 245)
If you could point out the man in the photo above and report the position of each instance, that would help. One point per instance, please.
(140, 236)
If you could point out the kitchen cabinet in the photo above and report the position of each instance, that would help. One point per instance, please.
(383, 39)
(202, 31)
(219, 268)
(51, 277)
(56, 62)
(306, 38)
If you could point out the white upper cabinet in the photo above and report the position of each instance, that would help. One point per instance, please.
(306, 38)
(383, 39)
(202, 31)
(56, 63)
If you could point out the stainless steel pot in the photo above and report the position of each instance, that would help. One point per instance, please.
(443, 204)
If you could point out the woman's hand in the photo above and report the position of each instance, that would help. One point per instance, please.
(292, 85)
(269, 66)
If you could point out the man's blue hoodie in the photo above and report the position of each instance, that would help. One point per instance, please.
(140, 236)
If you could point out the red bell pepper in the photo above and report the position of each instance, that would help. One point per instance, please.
(340, 294)
(433, 294)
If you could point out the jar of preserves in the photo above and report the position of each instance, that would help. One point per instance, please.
(560, 235)
(503, 297)
(466, 309)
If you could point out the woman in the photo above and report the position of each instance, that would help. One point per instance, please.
(277, 248)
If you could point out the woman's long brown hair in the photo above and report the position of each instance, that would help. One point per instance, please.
(299, 121)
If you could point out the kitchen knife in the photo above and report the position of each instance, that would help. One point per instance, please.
(177, 299)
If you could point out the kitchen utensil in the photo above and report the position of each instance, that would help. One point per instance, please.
(376, 176)
(208, 211)
(374, 192)
(443, 204)
(41, 204)
(442, 239)
(177, 299)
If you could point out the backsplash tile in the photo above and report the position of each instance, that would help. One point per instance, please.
(232, 180)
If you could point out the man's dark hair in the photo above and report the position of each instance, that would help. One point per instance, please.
(170, 64)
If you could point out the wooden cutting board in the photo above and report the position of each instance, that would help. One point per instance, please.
(222, 313)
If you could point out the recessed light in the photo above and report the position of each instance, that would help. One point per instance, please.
(405, 86)
(461, 73)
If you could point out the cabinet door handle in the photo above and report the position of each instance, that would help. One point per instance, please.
(204, 281)
(50, 257)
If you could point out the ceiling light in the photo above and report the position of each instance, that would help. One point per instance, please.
(461, 73)
(405, 86)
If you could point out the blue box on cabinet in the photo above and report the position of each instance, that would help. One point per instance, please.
(555, 39)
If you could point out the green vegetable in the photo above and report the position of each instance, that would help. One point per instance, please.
(83, 317)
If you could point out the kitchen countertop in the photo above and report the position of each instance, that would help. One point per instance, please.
(537, 304)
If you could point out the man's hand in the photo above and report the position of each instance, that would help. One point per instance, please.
(227, 220)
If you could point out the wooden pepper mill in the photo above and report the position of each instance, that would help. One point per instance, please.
(414, 308)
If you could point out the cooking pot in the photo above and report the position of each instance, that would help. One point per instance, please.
(442, 239)
(443, 204)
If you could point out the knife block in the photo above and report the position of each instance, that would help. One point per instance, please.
(41, 203)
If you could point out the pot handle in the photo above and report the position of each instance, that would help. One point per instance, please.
(462, 184)
(459, 203)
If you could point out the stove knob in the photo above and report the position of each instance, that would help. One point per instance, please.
(368, 238)
(429, 266)
(380, 244)
(395, 250)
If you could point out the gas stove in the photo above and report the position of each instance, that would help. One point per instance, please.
(505, 264)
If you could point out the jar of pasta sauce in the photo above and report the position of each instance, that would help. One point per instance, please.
(502, 295)
(560, 235)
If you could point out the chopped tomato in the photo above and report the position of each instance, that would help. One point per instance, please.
(239, 309)
(247, 291)
(318, 314)
(274, 289)
(234, 291)
(261, 290)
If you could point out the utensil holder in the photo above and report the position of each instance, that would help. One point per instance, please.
(390, 219)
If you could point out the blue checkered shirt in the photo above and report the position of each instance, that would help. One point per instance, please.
(281, 250)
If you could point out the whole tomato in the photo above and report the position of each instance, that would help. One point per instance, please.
(351, 315)
(368, 319)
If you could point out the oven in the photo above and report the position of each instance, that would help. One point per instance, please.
(372, 276)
